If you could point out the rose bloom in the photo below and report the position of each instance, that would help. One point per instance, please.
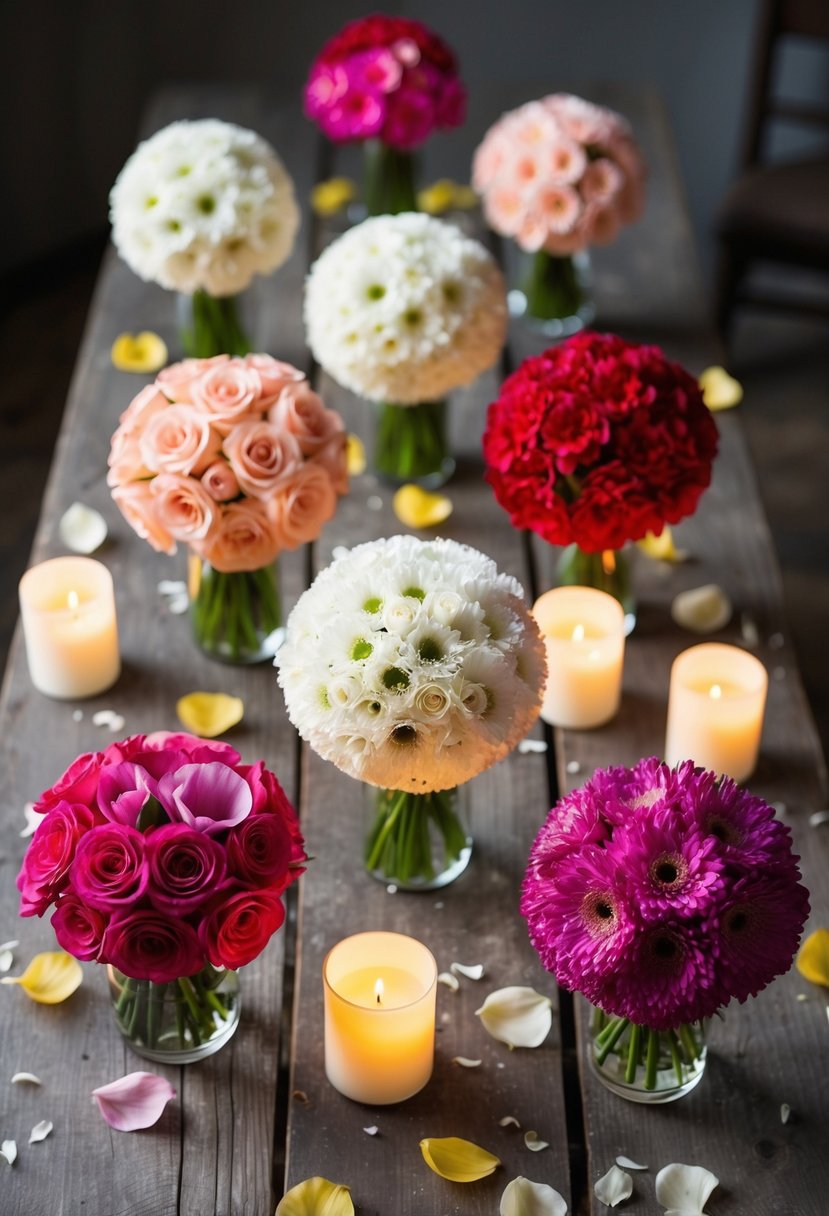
(138, 505)
(45, 869)
(301, 412)
(109, 870)
(125, 460)
(305, 505)
(262, 456)
(182, 506)
(244, 538)
(78, 928)
(151, 945)
(239, 927)
(144, 406)
(220, 482)
(78, 784)
(273, 377)
(186, 867)
(165, 751)
(177, 380)
(227, 393)
(179, 440)
(270, 798)
(259, 851)
(333, 457)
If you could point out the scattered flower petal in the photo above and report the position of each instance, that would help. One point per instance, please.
(82, 529)
(144, 352)
(33, 820)
(172, 586)
(465, 1062)
(748, 629)
(332, 195)
(802, 996)
(8, 1151)
(517, 1016)
(625, 1163)
(134, 1101)
(7, 950)
(524, 1198)
(49, 978)
(371, 1131)
(355, 456)
(780, 809)
(702, 609)
(451, 981)
(777, 641)
(785, 1112)
(299, 1095)
(509, 1121)
(209, 714)
(108, 718)
(374, 503)
(526, 746)
(175, 595)
(533, 1143)
(613, 1187)
(437, 198)
(719, 390)
(662, 548)
(458, 1160)
(474, 972)
(813, 958)
(685, 1189)
(815, 819)
(316, 1197)
(573, 767)
(40, 1131)
(418, 508)
(27, 1078)
(77, 715)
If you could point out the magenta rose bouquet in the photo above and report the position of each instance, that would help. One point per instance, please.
(164, 857)
(661, 894)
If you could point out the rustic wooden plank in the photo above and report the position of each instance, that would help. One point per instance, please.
(212, 1150)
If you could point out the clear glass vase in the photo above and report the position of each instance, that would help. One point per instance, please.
(179, 1022)
(411, 444)
(389, 179)
(553, 293)
(236, 617)
(418, 842)
(643, 1065)
(218, 325)
(607, 570)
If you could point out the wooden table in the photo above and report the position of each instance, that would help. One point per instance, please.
(259, 1116)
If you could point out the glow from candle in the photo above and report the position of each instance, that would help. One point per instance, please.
(715, 692)
(379, 989)
(578, 633)
(72, 601)
(594, 656)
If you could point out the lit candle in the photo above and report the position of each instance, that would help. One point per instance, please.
(584, 630)
(715, 709)
(67, 607)
(379, 1017)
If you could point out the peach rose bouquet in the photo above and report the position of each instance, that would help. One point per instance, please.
(238, 458)
(558, 175)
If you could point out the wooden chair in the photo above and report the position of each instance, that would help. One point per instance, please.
(777, 213)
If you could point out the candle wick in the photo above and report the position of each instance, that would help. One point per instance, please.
(379, 1002)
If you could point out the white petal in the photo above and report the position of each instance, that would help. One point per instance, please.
(371, 1131)
(573, 767)
(528, 746)
(77, 715)
(471, 973)
(7, 955)
(685, 1188)
(172, 586)
(103, 717)
(451, 981)
(29, 1077)
(818, 818)
(40, 1131)
(465, 1062)
(615, 1186)
(82, 529)
(785, 1112)
(116, 723)
(8, 1150)
(520, 1017)
(702, 609)
(626, 1164)
(524, 1198)
(33, 820)
(509, 1121)
(533, 1143)
(179, 604)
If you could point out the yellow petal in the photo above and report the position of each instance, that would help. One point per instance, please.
(465, 198)
(49, 978)
(355, 456)
(719, 390)
(316, 1197)
(329, 197)
(144, 352)
(458, 1160)
(662, 547)
(813, 958)
(209, 713)
(437, 198)
(417, 508)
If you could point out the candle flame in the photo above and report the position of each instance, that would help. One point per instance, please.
(715, 692)
(379, 989)
(72, 601)
(608, 561)
(578, 633)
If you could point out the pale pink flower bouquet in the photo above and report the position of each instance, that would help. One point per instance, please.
(558, 175)
(239, 459)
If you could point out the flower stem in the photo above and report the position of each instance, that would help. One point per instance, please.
(215, 328)
(400, 845)
(232, 613)
(389, 179)
(552, 288)
(411, 443)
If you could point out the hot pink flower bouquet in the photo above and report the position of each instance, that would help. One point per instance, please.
(239, 459)
(165, 857)
(661, 894)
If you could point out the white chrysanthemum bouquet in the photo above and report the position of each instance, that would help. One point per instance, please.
(413, 665)
(402, 309)
(200, 208)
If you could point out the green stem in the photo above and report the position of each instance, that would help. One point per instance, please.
(399, 844)
(652, 1058)
(411, 444)
(215, 328)
(633, 1053)
(552, 287)
(616, 1029)
(233, 614)
(389, 179)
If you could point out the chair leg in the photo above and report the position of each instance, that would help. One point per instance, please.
(731, 268)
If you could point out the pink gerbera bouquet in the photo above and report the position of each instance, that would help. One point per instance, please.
(661, 894)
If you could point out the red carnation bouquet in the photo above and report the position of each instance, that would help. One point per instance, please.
(597, 442)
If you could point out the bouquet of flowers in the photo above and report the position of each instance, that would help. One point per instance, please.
(402, 309)
(661, 894)
(200, 208)
(239, 459)
(165, 857)
(413, 666)
(388, 81)
(558, 175)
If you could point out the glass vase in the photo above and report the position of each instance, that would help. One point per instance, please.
(607, 570)
(411, 444)
(217, 325)
(236, 617)
(418, 842)
(179, 1022)
(553, 293)
(643, 1065)
(389, 179)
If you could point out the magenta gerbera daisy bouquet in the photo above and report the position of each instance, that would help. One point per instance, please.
(661, 894)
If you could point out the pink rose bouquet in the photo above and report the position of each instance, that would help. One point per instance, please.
(388, 82)
(662, 894)
(239, 459)
(165, 857)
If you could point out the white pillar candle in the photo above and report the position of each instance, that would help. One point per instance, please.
(67, 606)
(584, 630)
(715, 709)
(379, 1017)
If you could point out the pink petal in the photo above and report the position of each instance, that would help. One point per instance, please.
(135, 1101)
